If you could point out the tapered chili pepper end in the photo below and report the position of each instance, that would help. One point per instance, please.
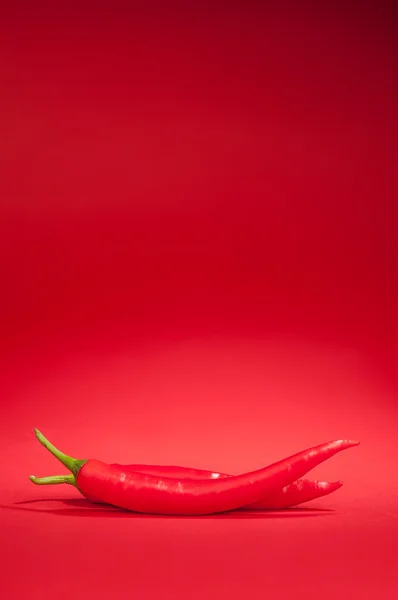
(347, 443)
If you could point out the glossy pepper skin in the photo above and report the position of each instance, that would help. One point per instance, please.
(140, 492)
(298, 492)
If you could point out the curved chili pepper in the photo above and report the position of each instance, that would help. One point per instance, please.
(298, 492)
(145, 493)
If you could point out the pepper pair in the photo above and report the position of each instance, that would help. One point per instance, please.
(170, 490)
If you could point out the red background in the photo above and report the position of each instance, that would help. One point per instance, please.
(198, 236)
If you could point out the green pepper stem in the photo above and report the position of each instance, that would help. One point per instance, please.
(74, 465)
(53, 480)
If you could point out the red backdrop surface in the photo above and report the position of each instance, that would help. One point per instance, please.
(198, 236)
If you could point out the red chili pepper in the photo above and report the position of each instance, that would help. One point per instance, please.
(298, 492)
(145, 493)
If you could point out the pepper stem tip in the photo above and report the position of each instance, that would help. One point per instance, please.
(73, 464)
(53, 480)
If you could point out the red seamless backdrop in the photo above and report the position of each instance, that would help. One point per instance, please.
(198, 238)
